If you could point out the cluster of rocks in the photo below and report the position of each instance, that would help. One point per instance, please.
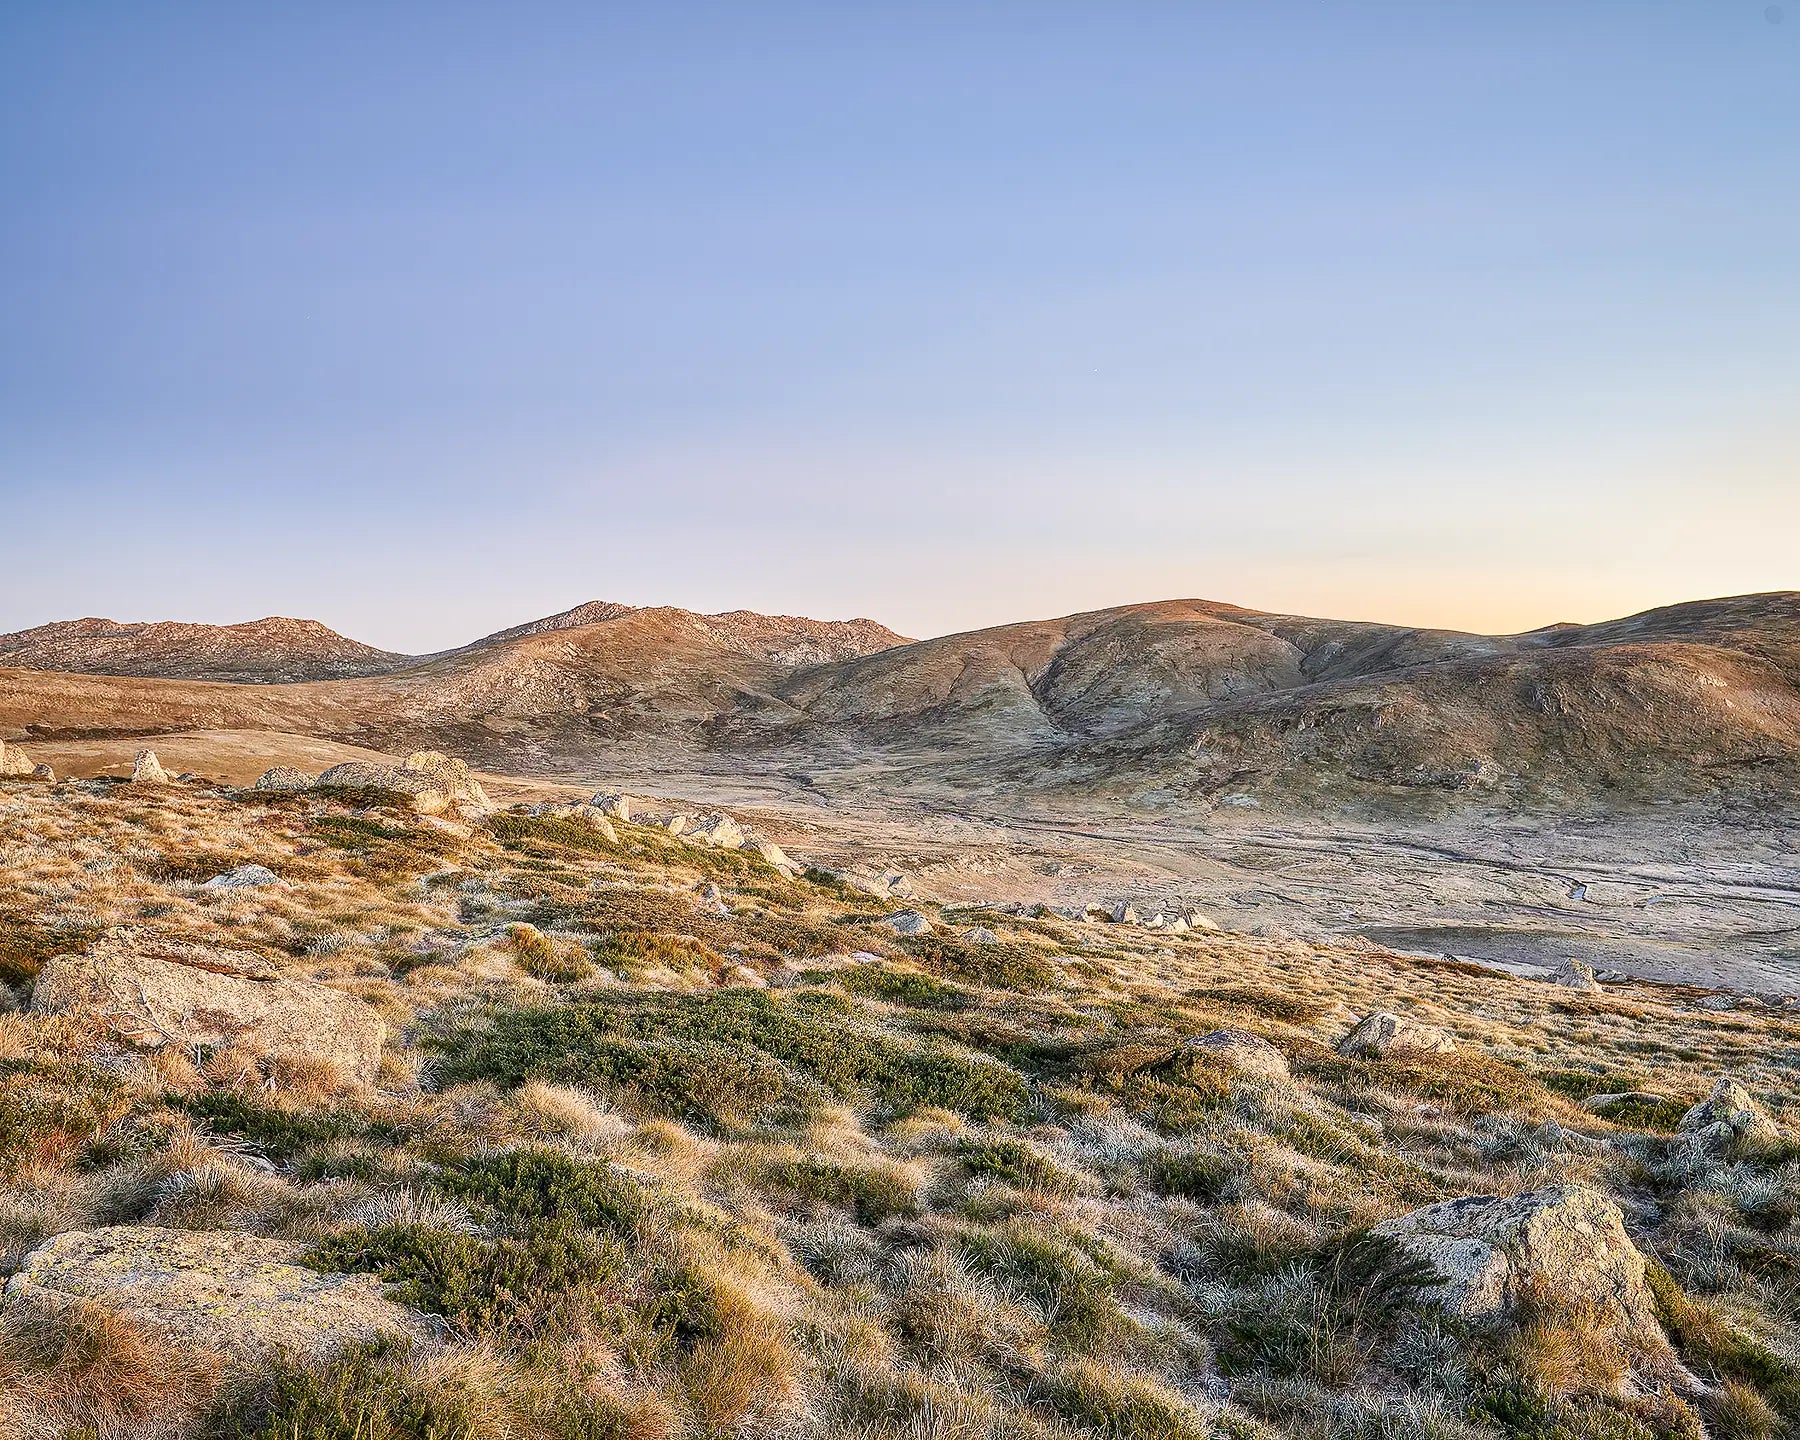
(431, 782)
(715, 829)
(16, 764)
(1172, 921)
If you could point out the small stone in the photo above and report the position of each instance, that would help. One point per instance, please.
(1124, 913)
(1493, 1255)
(155, 993)
(772, 853)
(146, 769)
(44, 773)
(432, 783)
(980, 935)
(245, 877)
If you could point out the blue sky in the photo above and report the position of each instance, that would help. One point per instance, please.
(423, 319)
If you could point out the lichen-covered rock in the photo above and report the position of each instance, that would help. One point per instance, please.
(245, 877)
(615, 805)
(1243, 1051)
(1604, 1104)
(1383, 1033)
(171, 993)
(283, 777)
(908, 922)
(146, 769)
(14, 761)
(1728, 1120)
(431, 782)
(452, 774)
(718, 830)
(235, 1294)
(771, 852)
(1124, 913)
(980, 935)
(44, 773)
(1576, 974)
(1564, 1245)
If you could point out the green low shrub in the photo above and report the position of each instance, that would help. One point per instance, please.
(1010, 965)
(482, 1284)
(874, 1192)
(525, 1186)
(726, 1056)
(279, 1133)
(1014, 1163)
(904, 987)
(367, 1393)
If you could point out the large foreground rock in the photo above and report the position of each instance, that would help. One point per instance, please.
(1382, 1034)
(433, 783)
(1565, 1245)
(237, 1294)
(146, 769)
(158, 993)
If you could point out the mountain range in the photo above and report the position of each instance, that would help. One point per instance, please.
(1173, 703)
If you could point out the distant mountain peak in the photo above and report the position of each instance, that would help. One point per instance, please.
(784, 639)
(273, 650)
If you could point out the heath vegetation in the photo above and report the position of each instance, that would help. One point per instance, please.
(664, 1143)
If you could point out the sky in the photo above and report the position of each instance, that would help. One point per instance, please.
(422, 319)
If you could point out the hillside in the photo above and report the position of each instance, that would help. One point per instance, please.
(271, 651)
(1178, 703)
(781, 639)
(283, 651)
(323, 1118)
